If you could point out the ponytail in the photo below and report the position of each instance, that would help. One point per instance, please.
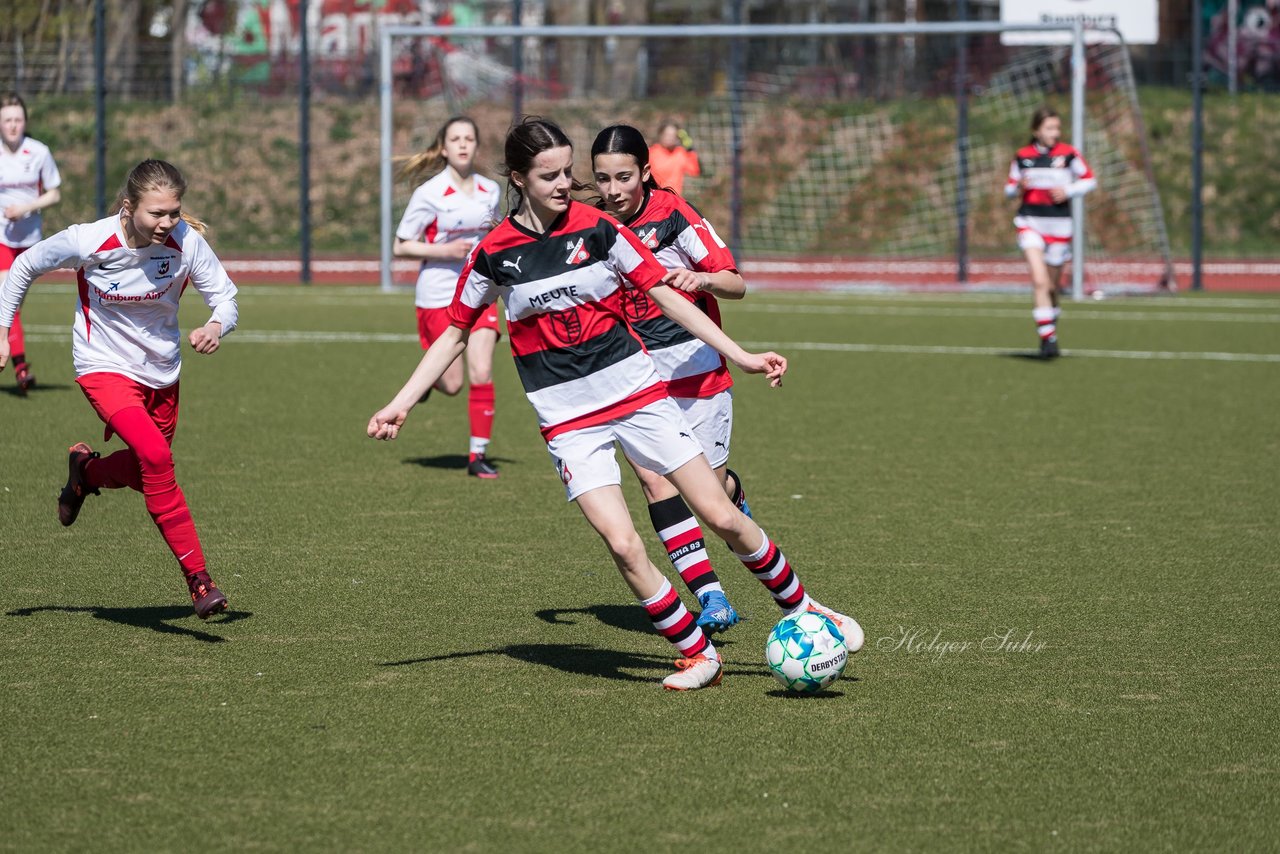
(417, 168)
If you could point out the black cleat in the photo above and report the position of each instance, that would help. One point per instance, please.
(1049, 348)
(481, 468)
(205, 596)
(74, 493)
(25, 379)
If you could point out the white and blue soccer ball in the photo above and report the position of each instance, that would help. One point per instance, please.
(806, 652)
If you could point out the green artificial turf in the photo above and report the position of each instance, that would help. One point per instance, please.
(415, 660)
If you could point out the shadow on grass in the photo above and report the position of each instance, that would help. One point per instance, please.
(157, 618)
(826, 694)
(570, 658)
(631, 618)
(449, 461)
(1027, 356)
(578, 659)
(38, 388)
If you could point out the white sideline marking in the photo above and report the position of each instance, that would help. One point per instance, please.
(286, 336)
(1069, 313)
(1158, 355)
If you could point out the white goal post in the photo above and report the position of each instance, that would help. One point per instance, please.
(389, 34)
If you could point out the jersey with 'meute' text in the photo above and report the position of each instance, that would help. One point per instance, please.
(680, 237)
(1047, 168)
(127, 319)
(579, 361)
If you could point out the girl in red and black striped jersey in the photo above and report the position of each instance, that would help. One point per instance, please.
(701, 268)
(557, 265)
(1047, 173)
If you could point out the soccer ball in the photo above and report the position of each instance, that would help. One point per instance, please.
(806, 652)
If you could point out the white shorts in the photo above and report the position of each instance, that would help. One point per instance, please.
(1056, 253)
(656, 436)
(712, 421)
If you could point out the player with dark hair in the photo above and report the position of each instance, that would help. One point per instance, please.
(29, 183)
(556, 264)
(1047, 173)
(132, 268)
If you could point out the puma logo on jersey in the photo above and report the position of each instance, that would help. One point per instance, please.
(577, 252)
(720, 445)
(515, 264)
(649, 238)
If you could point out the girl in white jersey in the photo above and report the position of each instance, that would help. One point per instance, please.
(29, 182)
(446, 216)
(131, 268)
(557, 265)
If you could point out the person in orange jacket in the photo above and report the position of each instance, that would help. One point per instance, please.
(672, 157)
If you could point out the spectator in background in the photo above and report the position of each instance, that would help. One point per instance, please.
(672, 157)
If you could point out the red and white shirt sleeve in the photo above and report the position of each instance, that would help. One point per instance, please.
(126, 320)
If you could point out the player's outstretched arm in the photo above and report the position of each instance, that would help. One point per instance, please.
(704, 328)
(387, 421)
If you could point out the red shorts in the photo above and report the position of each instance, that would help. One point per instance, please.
(9, 254)
(109, 393)
(433, 321)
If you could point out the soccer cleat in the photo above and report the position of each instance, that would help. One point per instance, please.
(848, 626)
(717, 614)
(205, 595)
(74, 493)
(481, 468)
(1049, 348)
(25, 379)
(694, 673)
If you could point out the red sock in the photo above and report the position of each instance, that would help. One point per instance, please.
(165, 502)
(480, 408)
(17, 341)
(116, 471)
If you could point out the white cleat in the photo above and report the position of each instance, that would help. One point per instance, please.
(694, 673)
(848, 626)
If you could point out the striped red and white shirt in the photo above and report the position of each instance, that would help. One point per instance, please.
(439, 212)
(127, 318)
(1046, 168)
(579, 361)
(25, 175)
(680, 237)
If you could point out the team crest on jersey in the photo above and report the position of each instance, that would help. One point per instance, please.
(577, 251)
(1028, 162)
(566, 326)
(1059, 161)
(162, 269)
(649, 238)
(635, 303)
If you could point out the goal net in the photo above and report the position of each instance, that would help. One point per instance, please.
(847, 168)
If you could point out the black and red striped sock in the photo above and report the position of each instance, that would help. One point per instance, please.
(770, 566)
(682, 537)
(674, 622)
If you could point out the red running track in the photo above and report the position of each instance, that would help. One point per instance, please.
(800, 274)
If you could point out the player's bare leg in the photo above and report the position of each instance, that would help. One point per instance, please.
(1044, 300)
(699, 665)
